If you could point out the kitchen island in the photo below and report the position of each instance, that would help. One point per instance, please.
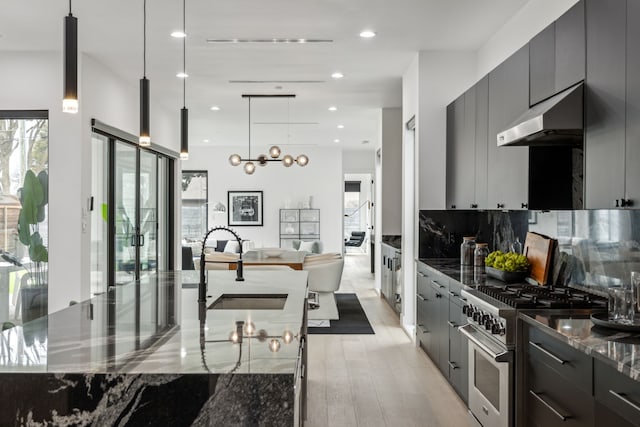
(148, 354)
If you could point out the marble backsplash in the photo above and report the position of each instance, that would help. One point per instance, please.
(600, 248)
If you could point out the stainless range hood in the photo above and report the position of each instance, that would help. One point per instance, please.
(556, 121)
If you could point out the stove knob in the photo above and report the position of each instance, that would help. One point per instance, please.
(497, 329)
(477, 315)
(465, 309)
(485, 319)
(489, 325)
(470, 311)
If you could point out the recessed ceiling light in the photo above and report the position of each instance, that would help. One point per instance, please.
(367, 34)
(340, 126)
(336, 140)
(365, 141)
(205, 140)
(215, 108)
(178, 34)
(333, 108)
(337, 75)
(182, 75)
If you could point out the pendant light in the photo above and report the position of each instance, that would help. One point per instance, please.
(274, 152)
(184, 112)
(145, 136)
(70, 99)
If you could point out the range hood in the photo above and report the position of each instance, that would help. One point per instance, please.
(556, 121)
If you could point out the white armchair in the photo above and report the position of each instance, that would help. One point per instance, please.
(324, 278)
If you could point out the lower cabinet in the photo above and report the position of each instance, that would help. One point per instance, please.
(439, 314)
(557, 382)
(562, 386)
(617, 397)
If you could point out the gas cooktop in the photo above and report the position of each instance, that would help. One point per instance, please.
(523, 296)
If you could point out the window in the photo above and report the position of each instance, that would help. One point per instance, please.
(24, 166)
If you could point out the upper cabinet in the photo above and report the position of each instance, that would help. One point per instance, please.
(605, 139)
(557, 56)
(507, 167)
(467, 148)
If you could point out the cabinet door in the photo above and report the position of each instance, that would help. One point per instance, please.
(570, 48)
(508, 99)
(458, 352)
(617, 392)
(605, 103)
(542, 65)
(482, 123)
(632, 178)
(459, 154)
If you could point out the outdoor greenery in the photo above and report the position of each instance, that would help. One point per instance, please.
(34, 198)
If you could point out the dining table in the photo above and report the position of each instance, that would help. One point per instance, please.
(292, 259)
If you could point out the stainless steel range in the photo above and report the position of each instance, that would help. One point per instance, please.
(491, 314)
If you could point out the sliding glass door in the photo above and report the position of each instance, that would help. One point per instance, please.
(131, 222)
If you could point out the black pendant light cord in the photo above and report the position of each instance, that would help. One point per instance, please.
(144, 39)
(184, 53)
(249, 127)
(70, 14)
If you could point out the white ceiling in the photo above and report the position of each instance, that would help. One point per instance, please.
(111, 31)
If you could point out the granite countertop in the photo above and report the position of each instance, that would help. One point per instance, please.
(620, 350)
(393, 241)
(167, 339)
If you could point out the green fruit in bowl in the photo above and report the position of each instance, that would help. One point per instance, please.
(510, 261)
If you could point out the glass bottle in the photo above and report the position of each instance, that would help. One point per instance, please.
(466, 251)
(516, 246)
(479, 269)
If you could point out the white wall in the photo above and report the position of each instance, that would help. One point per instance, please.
(391, 176)
(443, 76)
(36, 84)
(322, 178)
(515, 33)
(358, 161)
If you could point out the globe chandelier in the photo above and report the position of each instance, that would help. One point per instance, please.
(274, 152)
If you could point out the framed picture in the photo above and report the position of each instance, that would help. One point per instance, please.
(245, 208)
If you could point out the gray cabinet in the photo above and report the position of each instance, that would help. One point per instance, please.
(605, 103)
(632, 147)
(570, 48)
(557, 382)
(439, 314)
(458, 344)
(557, 55)
(617, 397)
(507, 167)
(467, 148)
(433, 312)
(390, 272)
(542, 65)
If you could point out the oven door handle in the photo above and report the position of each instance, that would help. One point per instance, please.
(496, 354)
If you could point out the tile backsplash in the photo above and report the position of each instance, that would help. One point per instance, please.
(600, 247)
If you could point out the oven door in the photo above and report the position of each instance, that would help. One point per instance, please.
(490, 379)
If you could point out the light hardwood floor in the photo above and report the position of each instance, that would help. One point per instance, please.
(376, 380)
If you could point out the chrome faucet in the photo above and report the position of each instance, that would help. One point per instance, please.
(202, 286)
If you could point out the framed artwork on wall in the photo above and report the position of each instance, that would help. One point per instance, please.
(245, 208)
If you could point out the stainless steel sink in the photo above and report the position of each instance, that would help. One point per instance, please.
(249, 302)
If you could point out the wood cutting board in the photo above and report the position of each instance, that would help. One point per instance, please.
(538, 250)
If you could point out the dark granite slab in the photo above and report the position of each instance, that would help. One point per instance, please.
(393, 241)
(620, 350)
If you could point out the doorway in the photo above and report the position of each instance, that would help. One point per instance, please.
(358, 195)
